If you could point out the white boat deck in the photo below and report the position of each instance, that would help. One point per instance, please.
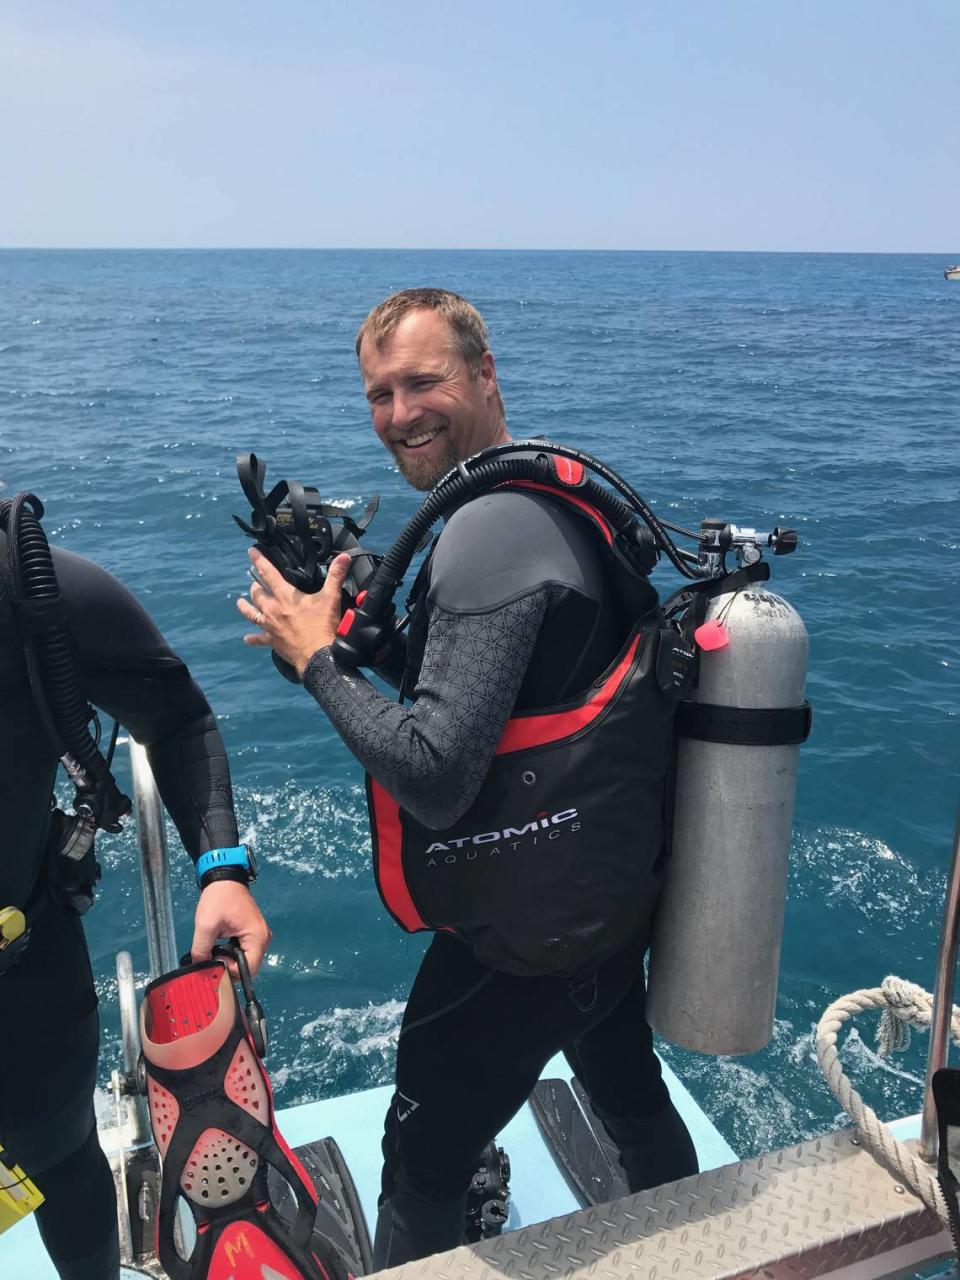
(538, 1191)
(822, 1208)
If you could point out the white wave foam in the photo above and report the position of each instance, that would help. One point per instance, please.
(858, 1058)
(373, 1028)
(840, 866)
(340, 1051)
(320, 831)
(757, 1103)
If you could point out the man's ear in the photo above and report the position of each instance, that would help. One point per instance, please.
(487, 373)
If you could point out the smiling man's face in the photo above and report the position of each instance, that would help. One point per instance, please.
(428, 407)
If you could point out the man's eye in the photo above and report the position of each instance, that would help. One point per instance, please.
(424, 382)
(380, 397)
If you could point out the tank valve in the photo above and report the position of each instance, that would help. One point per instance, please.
(783, 541)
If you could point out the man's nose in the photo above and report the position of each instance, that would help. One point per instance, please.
(406, 411)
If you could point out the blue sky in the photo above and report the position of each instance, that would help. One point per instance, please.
(665, 124)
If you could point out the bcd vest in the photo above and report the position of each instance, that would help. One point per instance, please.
(553, 868)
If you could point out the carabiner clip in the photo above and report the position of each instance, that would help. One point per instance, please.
(256, 1019)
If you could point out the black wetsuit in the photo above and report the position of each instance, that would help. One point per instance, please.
(518, 614)
(48, 1005)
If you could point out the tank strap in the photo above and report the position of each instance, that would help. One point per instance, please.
(694, 597)
(745, 726)
(735, 581)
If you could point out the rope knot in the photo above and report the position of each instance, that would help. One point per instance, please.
(907, 1005)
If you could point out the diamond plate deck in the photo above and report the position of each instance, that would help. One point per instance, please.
(825, 1207)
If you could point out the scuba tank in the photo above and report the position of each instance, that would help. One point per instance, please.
(28, 576)
(731, 661)
(715, 953)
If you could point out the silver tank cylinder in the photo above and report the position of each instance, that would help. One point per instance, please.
(715, 955)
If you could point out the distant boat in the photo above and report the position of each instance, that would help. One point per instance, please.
(952, 273)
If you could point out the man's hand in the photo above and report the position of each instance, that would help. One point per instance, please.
(293, 624)
(226, 910)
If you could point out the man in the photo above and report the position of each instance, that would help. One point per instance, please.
(517, 613)
(48, 1004)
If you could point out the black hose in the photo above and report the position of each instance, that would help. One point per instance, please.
(49, 655)
(486, 472)
(646, 514)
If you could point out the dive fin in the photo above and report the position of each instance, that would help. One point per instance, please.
(340, 1218)
(254, 1206)
(578, 1143)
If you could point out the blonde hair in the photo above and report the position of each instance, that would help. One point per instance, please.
(464, 321)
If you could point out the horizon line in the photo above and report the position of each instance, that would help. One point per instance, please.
(254, 248)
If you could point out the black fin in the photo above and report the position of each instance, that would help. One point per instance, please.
(340, 1221)
(584, 1154)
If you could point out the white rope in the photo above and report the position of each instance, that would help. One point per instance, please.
(904, 1005)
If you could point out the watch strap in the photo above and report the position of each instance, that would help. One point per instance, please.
(237, 874)
(236, 856)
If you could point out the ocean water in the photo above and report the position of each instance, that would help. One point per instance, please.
(816, 391)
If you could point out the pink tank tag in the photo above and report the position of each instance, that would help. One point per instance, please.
(712, 635)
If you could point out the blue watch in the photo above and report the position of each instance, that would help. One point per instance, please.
(238, 856)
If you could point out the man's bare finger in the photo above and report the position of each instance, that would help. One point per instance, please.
(254, 950)
(257, 637)
(265, 571)
(249, 611)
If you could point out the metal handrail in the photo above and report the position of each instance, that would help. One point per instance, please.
(154, 871)
(133, 1135)
(942, 1013)
(138, 1114)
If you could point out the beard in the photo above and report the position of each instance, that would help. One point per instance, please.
(423, 473)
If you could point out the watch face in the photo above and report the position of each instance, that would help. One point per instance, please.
(251, 862)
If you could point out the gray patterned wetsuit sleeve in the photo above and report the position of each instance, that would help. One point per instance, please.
(434, 755)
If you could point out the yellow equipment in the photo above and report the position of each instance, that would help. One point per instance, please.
(18, 1195)
(12, 925)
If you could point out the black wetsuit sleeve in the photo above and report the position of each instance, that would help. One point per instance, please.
(433, 756)
(127, 669)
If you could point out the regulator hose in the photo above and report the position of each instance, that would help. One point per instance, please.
(656, 526)
(48, 653)
(486, 472)
(365, 631)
